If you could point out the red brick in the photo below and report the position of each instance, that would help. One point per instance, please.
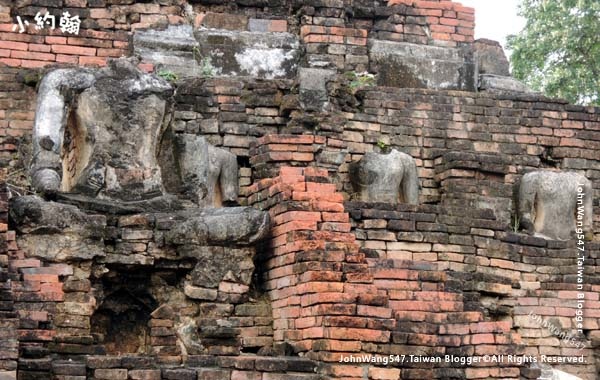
(454, 329)
(448, 21)
(33, 55)
(56, 40)
(4, 53)
(572, 142)
(361, 41)
(6, 27)
(13, 45)
(335, 217)
(36, 335)
(147, 67)
(315, 172)
(401, 274)
(441, 36)
(465, 16)
(25, 263)
(51, 287)
(278, 26)
(482, 339)
(34, 64)
(67, 58)
(442, 29)
(100, 13)
(459, 38)
(41, 277)
(90, 42)
(103, 35)
(445, 5)
(450, 14)
(432, 20)
(100, 61)
(316, 38)
(286, 139)
(564, 132)
(39, 47)
(245, 375)
(500, 326)
(311, 276)
(310, 196)
(75, 50)
(18, 37)
(466, 31)
(572, 124)
(345, 371)
(466, 24)
(111, 52)
(297, 216)
(374, 311)
(463, 9)
(431, 12)
(377, 373)
(364, 335)
(477, 373)
(311, 29)
(34, 315)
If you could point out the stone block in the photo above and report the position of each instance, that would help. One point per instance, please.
(8, 375)
(226, 21)
(491, 58)
(313, 87)
(111, 374)
(405, 65)
(200, 293)
(489, 82)
(145, 374)
(255, 54)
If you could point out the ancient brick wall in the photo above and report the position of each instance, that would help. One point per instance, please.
(453, 276)
(334, 29)
(425, 280)
(9, 321)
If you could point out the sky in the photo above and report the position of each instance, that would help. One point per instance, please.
(495, 19)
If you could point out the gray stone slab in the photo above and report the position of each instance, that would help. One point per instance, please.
(406, 65)
(254, 54)
(313, 87)
(489, 82)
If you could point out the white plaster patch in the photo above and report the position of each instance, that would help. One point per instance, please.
(264, 62)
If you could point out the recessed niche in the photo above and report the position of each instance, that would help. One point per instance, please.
(121, 321)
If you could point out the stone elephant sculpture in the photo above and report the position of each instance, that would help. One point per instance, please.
(553, 204)
(386, 177)
(98, 133)
(209, 174)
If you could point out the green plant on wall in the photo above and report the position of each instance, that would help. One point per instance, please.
(383, 146)
(516, 223)
(168, 75)
(359, 80)
(206, 67)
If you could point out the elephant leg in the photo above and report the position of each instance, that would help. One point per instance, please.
(587, 207)
(526, 203)
(410, 183)
(228, 179)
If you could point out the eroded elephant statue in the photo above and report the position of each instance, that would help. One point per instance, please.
(553, 204)
(386, 177)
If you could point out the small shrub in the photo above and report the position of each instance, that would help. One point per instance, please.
(168, 75)
(358, 80)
